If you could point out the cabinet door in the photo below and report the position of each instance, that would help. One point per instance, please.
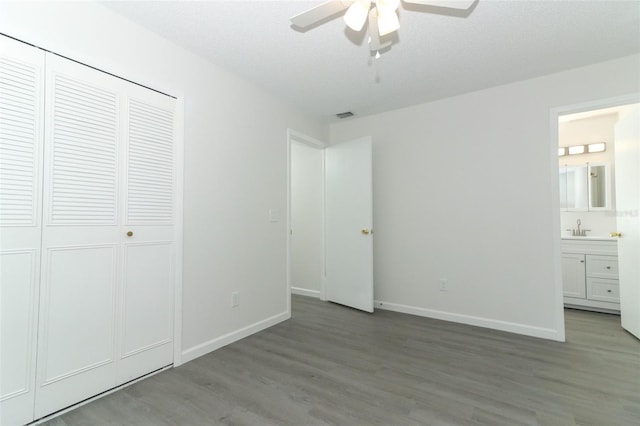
(573, 275)
(21, 113)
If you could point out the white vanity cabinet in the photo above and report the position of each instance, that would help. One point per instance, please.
(590, 273)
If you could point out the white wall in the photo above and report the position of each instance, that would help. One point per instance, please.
(306, 219)
(235, 163)
(462, 186)
(465, 189)
(580, 132)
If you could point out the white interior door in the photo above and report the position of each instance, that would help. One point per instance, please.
(146, 319)
(78, 311)
(21, 118)
(627, 161)
(349, 224)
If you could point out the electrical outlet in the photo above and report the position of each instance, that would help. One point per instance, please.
(235, 299)
(443, 284)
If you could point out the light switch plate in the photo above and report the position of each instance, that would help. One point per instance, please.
(274, 215)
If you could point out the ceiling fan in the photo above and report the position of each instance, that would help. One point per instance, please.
(381, 14)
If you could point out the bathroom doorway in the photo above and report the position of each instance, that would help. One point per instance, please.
(598, 163)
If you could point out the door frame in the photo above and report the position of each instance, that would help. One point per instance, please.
(178, 229)
(295, 136)
(554, 114)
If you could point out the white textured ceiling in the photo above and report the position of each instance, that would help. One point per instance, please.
(328, 69)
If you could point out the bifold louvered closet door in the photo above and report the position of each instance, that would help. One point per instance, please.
(104, 297)
(21, 141)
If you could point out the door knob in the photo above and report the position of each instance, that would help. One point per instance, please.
(365, 231)
(129, 234)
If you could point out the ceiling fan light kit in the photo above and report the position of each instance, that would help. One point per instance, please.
(383, 18)
(357, 14)
(387, 22)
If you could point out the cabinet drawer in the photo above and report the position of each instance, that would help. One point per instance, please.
(604, 290)
(602, 266)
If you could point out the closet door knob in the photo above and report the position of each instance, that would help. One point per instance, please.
(129, 234)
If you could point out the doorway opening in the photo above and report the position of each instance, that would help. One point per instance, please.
(330, 220)
(306, 215)
(598, 186)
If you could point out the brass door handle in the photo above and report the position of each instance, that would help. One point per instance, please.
(365, 231)
(129, 234)
(615, 234)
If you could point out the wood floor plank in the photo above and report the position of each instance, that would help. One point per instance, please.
(331, 365)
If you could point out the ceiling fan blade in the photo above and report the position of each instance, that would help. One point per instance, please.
(374, 43)
(452, 4)
(318, 13)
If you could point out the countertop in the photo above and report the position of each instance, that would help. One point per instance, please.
(590, 238)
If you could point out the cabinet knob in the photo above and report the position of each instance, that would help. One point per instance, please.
(608, 267)
(582, 261)
(609, 291)
(129, 234)
(365, 231)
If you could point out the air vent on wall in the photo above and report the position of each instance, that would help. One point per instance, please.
(345, 114)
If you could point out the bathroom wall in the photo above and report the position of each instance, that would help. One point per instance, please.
(579, 132)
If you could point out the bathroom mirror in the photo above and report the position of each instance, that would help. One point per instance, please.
(599, 187)
(585, 187)
(573, 188)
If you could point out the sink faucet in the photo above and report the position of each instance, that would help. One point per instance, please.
(579, 232)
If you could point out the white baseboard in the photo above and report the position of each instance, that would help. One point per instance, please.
(211, 345)
(305, 292)
(511, 327)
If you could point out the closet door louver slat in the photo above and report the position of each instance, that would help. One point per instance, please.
(84, 154)
(150, 167)
(19, 94)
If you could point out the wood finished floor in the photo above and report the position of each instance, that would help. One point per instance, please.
(337, 366)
